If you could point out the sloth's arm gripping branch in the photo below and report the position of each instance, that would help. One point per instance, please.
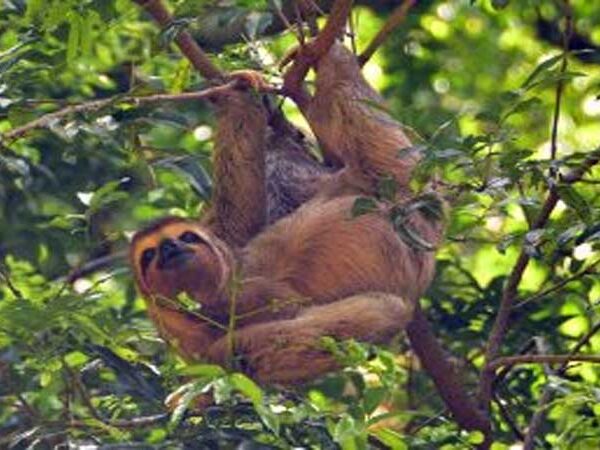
(239, 205)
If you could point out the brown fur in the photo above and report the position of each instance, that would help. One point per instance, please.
(350, 121)
(314, 273)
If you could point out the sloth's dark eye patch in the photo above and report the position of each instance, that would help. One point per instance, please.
(146, 258)
(189, 237)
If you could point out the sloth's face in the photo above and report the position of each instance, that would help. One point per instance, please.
(176, 256)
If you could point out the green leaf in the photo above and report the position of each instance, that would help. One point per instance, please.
(475, 437)
(373, 397)
(247, 387)
(574, 200)
(76, 359)
(269, 418)
(87, 26)
(107, 194)
(203, 370)
(35, 9)
(74, 40)
(523, 106)
(363, 205)
(386, 188)
(181, 77)
(552, 78)
(345, 428)
(541, 68)
(390, 438)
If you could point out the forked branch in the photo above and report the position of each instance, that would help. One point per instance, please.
(309, 54)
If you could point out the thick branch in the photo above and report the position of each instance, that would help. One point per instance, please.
(185, 41)
(448, 382)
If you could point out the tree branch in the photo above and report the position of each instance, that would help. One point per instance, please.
(309, 54)
(395, 19)
(445, 377)
(589, 270)
(95, 265)
(509, 293)
(184, 40)
(212, 33)
(94, 105)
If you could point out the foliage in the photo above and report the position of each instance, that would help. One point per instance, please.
(477, 81)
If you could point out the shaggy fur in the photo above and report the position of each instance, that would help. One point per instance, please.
(317, 271)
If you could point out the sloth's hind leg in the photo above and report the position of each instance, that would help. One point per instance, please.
(291, 351)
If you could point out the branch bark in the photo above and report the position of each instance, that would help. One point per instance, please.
(445, 377)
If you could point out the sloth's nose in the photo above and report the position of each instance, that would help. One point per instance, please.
(168, 249)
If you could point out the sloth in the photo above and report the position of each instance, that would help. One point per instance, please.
(272, 280)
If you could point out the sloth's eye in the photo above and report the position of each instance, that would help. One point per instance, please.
(146, 258)
(190, 237)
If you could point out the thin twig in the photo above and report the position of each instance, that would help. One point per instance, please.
(525, 349)
(94, 105)
(560, 85)
(168, 303)
(395, 19)
(558, 286)
(83, 393)
(298, 17)
(284, 20)
(508, 418)
(536, 421)
(30, 410)
(133, 423)
(93, 266)
(585, 339)
(540, 359)
(4, 275)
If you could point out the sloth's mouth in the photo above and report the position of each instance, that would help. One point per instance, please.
(175, 259)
